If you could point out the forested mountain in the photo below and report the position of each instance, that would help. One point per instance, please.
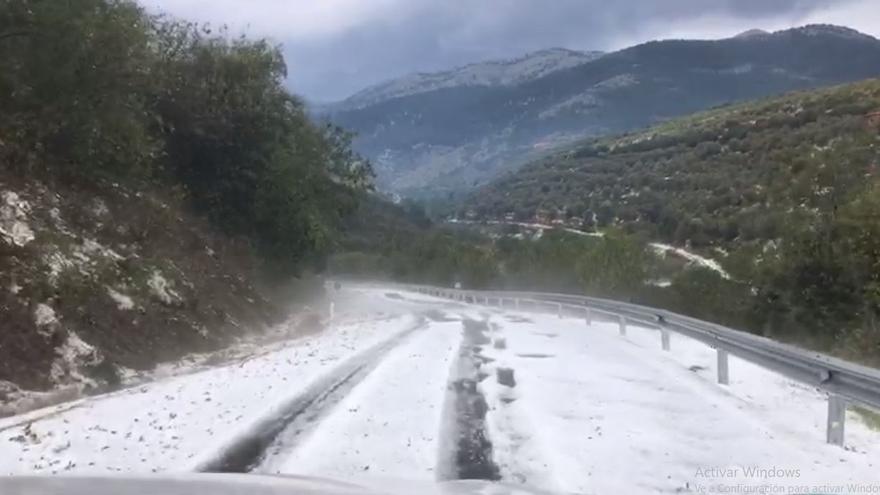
(451, 136)
(784, 192)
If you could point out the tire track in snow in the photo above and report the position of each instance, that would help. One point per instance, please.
(519, 454)
(281, 429)
(389, 424)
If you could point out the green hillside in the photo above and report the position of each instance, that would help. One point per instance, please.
(721, 178)
(784, 193)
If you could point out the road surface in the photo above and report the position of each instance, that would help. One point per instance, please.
(406, 386)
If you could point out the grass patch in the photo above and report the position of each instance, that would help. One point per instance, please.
(869, 416)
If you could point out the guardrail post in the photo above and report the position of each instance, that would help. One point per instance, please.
(622, 326)
(516, 301)
(836, 419)
(664, 338)
(723, 369)
(589, 316)
(559, 310)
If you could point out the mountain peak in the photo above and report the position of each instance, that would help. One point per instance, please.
(752, 33)
(830, 30)
(553, 50)
(807, 30)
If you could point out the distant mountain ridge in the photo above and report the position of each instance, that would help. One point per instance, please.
(492, 73)
(448, 132)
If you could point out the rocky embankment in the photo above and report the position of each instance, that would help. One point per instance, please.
(99, 284)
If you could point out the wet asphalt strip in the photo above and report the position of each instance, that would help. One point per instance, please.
(472, 452)
(299, 415)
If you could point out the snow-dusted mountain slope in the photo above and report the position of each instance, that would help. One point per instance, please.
(492, 73)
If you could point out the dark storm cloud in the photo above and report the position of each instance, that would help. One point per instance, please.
(336, 47)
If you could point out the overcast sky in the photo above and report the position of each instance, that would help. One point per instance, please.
(337, 47)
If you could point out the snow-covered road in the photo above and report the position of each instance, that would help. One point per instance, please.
(592, 409)
(410, 387)
(185, 422)
(389, 424)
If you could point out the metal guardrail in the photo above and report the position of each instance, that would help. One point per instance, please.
(845, 382)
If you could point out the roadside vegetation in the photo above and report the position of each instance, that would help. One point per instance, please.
(160, 191)
(98, 91)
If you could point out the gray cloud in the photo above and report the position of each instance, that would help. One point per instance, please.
(336, 47)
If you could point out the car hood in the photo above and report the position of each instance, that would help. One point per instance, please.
(243, 484)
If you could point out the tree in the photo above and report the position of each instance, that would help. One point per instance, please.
(98, 89)
(616, 266)
(72, 87)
